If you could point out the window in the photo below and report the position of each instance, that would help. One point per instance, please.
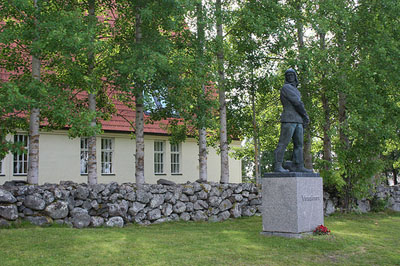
(20, 161)
(84, 155)
(159, 157)
(175, 158)
(107, 156)
(1, 167)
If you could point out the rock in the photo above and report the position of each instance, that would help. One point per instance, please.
(82, 193)
(363, 206)
(136, 208)
(57, 210)
(115, 222)
(80, 218)
(255, 202)
(236, 211)
(87, 204)
(252, 196)
(206, 187)
(238, 189)
(184, 198)
(167, 209)
(215, 192)
(48, 197)
(237, 197)
(193, 198)
(179, 207)
(248, 211)
(188, 190)
(96, 221)
(224, 215)
(330, 207)
(157, 200)
(168, 196)
(154, 214)
(225, 205)
(202, 195)
(131, 196)
(39, 220)
(200, 204)
(143, 196)
(189, 207)
(245, 193)
(97, 188)
(199, 216)
(28, 212)
(6, 197)
(9, 212)
(184, 216)
(4, 223)
(226, 194)
(395, 207)
(165, 182)
(138, 218)
(120, 209)
(95, 205)
(214, 201)
(214, 219)
(34, 203)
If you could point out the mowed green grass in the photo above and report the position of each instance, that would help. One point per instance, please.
(369, 239)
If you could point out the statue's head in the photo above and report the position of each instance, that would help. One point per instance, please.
(291, 77)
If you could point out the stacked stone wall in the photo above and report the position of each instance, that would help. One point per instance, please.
(80, 205)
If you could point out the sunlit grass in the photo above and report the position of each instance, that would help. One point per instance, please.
(371, 239)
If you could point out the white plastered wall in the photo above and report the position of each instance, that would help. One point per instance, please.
(60, 160)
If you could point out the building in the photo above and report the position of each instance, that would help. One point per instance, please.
(65, 159)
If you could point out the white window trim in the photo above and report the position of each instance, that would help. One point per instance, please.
(109, 151)
(2, 166)
(85, 151)
(179, 156)
(162, 157)
(24, 160)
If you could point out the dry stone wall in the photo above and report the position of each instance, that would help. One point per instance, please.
(80, 205)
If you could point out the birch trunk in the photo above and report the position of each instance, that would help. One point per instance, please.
(327, 143)
(307, 131)
(34, 124)
(255, 137)
(92, 160)
(202, 130)
(222, 103)
(139, 122)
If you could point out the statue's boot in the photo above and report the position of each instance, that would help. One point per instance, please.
(300, 168)
(278, 168)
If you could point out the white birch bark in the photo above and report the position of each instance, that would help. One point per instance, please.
(92, 160)
(139, 122)
(34, 124)
(222, 109)
(202, 130)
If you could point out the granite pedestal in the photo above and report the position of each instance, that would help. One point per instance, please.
(292, 203)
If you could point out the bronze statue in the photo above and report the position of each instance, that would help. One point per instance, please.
(293, 117)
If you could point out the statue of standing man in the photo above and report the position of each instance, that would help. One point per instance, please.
(293, 118)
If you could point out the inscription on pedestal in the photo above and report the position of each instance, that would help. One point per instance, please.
(291, 206)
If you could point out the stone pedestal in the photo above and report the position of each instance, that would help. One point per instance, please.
(292, 203)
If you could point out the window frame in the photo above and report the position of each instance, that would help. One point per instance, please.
(159, 157)
(25, 156)
(85, 150)
(176, 162)
(107, 153)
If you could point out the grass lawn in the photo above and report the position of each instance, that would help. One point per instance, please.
(369, 239)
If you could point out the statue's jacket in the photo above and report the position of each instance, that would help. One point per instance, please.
(293, 107)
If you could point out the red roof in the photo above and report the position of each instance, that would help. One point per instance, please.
(125, 118)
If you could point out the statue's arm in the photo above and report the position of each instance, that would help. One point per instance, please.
(296, 102)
